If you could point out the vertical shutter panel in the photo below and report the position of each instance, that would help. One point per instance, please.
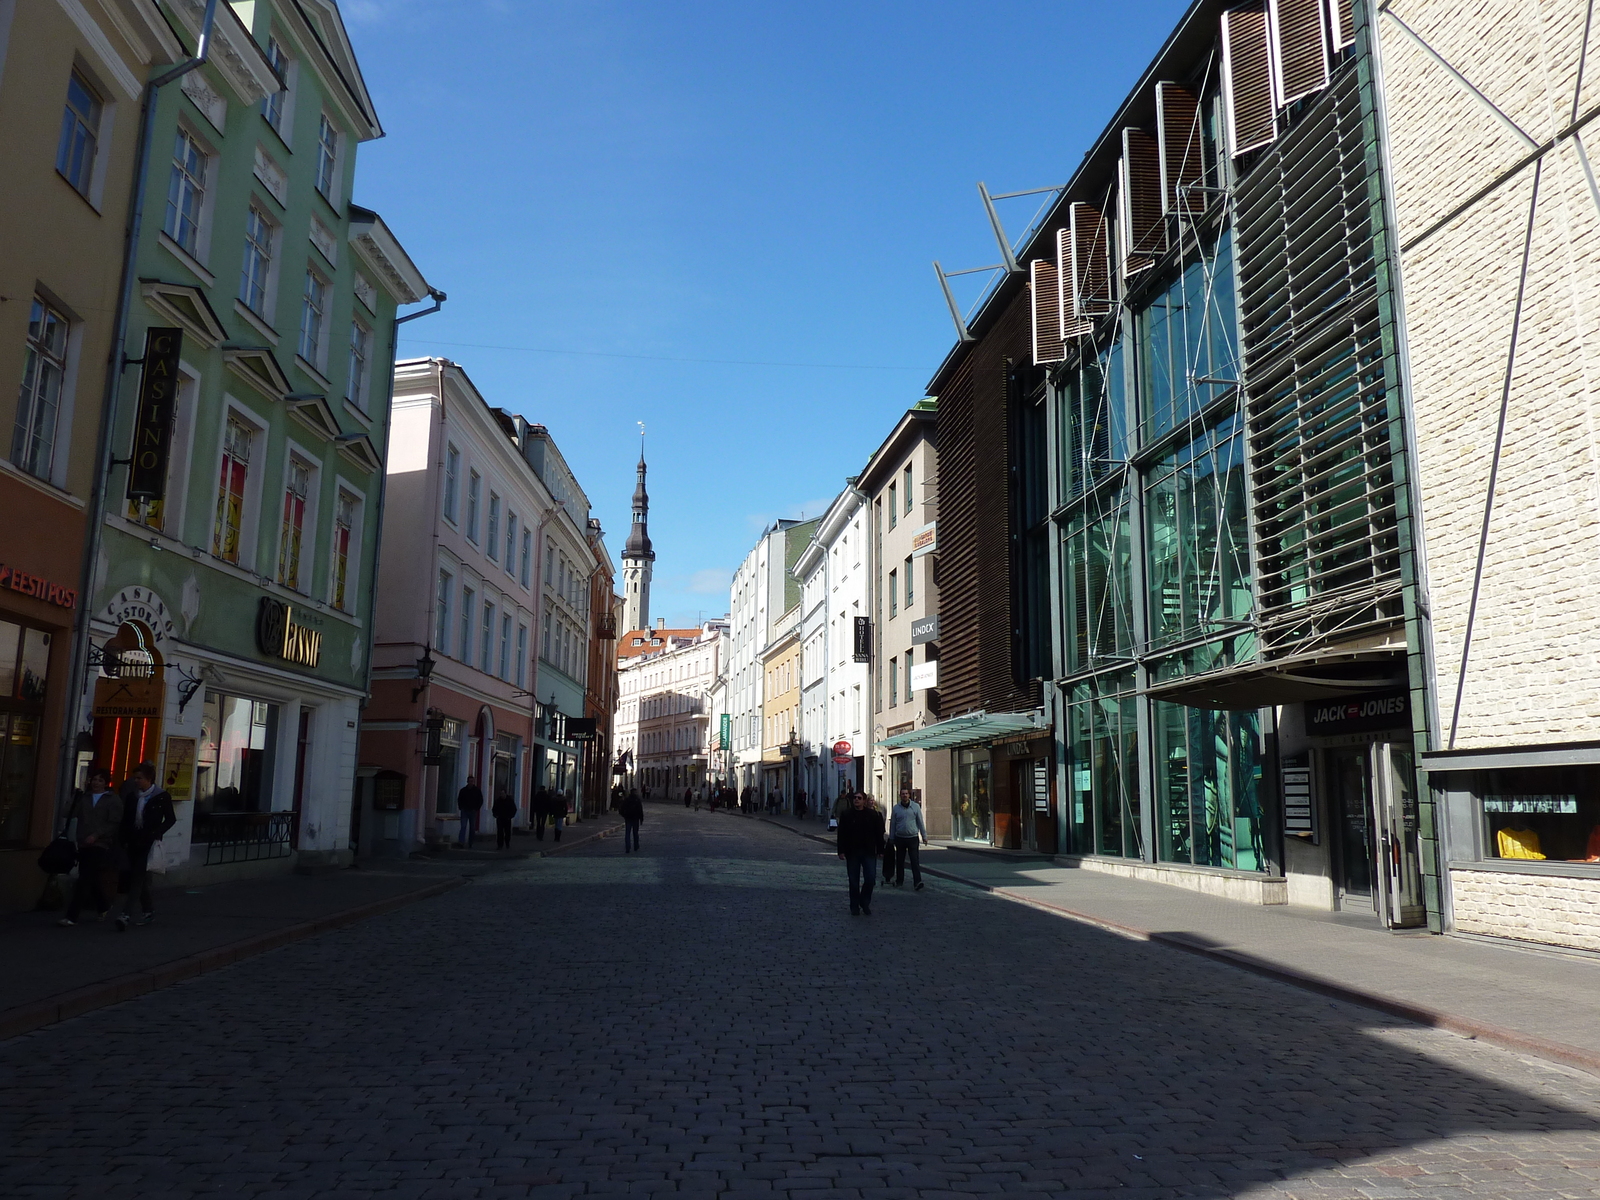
(1047, 344)
(1178, 132)
(1300, 66)
(1341, 23)
(1090, 262)
(1073, 323)
(1142, 209)
(1247, 79)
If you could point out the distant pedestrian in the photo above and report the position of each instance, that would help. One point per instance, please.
(560, 806)
(908, 833)
(98, 813)
(541, 811)
(469, 803)
(146, 815)
(888, 851)
(860, 844)
(688, 797)
(505, 811)
(800, 803)
(632, 810)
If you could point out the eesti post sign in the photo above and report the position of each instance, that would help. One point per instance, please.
(152, 428)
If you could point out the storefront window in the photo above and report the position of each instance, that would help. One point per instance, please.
(1103, 817)
(973, 810)
(899, 778)
(24, 663)
(449, 765)
(238, 742)
(1539, 813)
(1097, 588)
(1208, 783)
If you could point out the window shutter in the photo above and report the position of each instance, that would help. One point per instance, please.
(1341, 23)
(1089, 262)
(1178, 132)
(1142, 210)
(1048, 346)
(1300, 66)
(1247, 79)
(1073, 325)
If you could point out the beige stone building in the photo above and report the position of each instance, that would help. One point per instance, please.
(1496, 214)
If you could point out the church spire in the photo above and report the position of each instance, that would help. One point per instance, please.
(638, 556)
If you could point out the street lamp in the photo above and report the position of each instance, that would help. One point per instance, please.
(425, 666)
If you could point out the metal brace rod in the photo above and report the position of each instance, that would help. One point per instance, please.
(1494, 109)
(1029, 192)
(955, 311)
(999, 231)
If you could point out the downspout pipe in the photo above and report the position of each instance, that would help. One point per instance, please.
(116, 363)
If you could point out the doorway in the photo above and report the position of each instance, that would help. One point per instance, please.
(1372, 803)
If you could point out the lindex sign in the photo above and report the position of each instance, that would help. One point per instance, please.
(841, 752)
(152, 428)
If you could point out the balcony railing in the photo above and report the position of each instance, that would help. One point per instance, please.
(245, 837)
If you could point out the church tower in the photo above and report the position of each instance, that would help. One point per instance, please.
(638, 560)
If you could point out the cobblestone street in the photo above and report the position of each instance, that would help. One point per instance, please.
(706, 1018)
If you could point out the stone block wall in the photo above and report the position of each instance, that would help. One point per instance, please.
(1534, 670)
(1552, 909)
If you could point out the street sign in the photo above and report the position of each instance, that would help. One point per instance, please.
(841, 753)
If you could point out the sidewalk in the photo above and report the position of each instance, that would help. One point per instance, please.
(1539, 1002)
(53, 973)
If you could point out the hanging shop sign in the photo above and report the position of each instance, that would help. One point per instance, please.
(152, 428)
(924, 675)
(842, 752)
(1041, 785)
(725, 732)
(127, 697)
(278, 635)
(924, 630)
(925, 540)
(37, 587)
(1379, 710)
(582, 729)
(177, 774)
(1299, 817)
(863, 639)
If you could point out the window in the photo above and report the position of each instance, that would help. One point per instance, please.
(549, 564)
(909, 588)
(894, 589)
(474, 491)
(230, 490)
(344, 523)
(909, 656)
(522, 655)
(272, 106)
(894, 682)
(327, 156)
(505, 645)
(467, 595)
(80, 134)
(313, 306)
(258, 233)
(186, 193)
(485, 636)
(905, 486)
(295, 490)
(441, 622)
(527, 556)
(893, 511)
(452, 477)
(44, 370)
(360, 355)
(492, 543)
(511, 542)
(545, 653)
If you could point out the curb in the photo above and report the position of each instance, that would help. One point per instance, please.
(565, 846)
(29, 1017)
(1508, 1039)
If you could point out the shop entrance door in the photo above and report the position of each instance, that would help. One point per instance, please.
(1373, 806)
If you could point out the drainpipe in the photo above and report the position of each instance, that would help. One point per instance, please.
(116, 363)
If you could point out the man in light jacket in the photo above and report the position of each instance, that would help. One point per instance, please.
(98, 812)
(909, 834)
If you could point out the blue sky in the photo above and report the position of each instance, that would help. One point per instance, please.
(607, 190)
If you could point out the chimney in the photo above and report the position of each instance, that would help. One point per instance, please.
(661, 622)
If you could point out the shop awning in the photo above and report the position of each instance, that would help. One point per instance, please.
(1321, 675)
(968, 730)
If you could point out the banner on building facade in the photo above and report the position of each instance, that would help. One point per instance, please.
(863, 641)
(152, 428)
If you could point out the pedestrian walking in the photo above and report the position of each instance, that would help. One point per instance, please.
(560, 806)
(505, 811)
(98, 813)
(632, 810)
(469, 803)
(688, 797)
(860, 844)
(146, 816)
(541, 811)
(908, 833)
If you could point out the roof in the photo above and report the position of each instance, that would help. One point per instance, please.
(382, 251)
(639, 642)
(919, 422)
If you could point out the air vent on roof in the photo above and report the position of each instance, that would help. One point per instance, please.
(1142, 209)
(1247, 79)
(1342, 23)
(1047, 344)
(1089, 263)
(1182, 154)
(1300, 61)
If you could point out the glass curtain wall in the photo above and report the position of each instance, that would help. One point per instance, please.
(1103, 736)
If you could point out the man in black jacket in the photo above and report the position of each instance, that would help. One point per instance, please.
(860, 844)
(146, 815)
(632, 810)
(469, 803)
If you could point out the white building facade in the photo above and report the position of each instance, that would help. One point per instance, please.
(756, 600)
(664, 716)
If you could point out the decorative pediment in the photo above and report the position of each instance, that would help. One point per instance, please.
(315, 413)
(322, 238)
(272, 176)
(188, 306)
(234, 53)
(362, 452)
(257, 367)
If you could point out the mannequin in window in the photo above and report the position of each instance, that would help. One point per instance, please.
(1592, 851)
(1518, 841)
